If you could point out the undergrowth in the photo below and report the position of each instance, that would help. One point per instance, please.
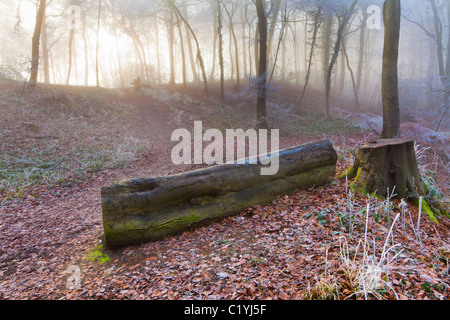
(58, 136)
(365, 268)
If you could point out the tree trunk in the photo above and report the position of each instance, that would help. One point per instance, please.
(183, 55)
(221, 66)
(214, 54)
(142, 210)
(276, 5)
(391, 105)
(354, 83)
(158, 55)
(344, 20)
(171, 46)
(86, 55)
(262, 75)
(362, 44)
(389, 166)
(244, 46)
(36, 43)
(326, 43)
(98, 43)
(191, 53)
(316, 26)
(45, 53)
(199, 53)
(236, 47)
(71, 36)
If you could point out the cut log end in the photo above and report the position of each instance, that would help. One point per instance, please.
(389, 166)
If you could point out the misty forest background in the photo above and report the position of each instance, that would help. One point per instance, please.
(161, 42)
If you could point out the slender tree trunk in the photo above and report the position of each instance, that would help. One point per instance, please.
(344, 20)
(220, 36)
(352, 75)
(276, 4)
(144, 57)
(306, 42)
(183, 55)
(448, 45)
(36, 42)
(446, 78)
(230, 52)
(140, 68)
(191, 53)
(362, 44)
(236, 48)
(119, 62)
(262, 75)
(170, 38)
(214, 57)
(244, 46)
(86, 55)
(71, 36)
(199, 53)
(342, 68)
(256, 48)
(391, 107)
(316, 26)
(45, 56)
(326, 45)
(280, 41)
(283, 60)
(439, 36)
(158, 56)
(98, 43)
(250, 60)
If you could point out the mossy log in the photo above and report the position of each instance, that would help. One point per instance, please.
(143, 210)
(390, 165)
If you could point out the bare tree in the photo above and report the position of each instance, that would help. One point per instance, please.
(221, 66)
(98, 43)
(437, 36)
(36, 42)
(317, 21)
(262, 68)
(344, 14)
(199, 53)
(391, 105)
(230, 14)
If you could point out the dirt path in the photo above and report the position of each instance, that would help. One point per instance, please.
(42, 236)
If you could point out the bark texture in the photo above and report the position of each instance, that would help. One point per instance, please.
(142, 210)
(390, 165)
(391, 104)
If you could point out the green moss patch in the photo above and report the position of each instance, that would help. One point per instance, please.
(96, 255)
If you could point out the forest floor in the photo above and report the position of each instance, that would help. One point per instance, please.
(60, 145)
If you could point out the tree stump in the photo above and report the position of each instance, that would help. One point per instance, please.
(390, 165)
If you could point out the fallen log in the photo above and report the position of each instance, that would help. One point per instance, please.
(143, 210)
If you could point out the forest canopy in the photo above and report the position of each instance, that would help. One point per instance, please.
(168, 41)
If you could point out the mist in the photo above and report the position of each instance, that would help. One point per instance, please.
(148, 40)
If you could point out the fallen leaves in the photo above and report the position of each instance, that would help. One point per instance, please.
(277, 251)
